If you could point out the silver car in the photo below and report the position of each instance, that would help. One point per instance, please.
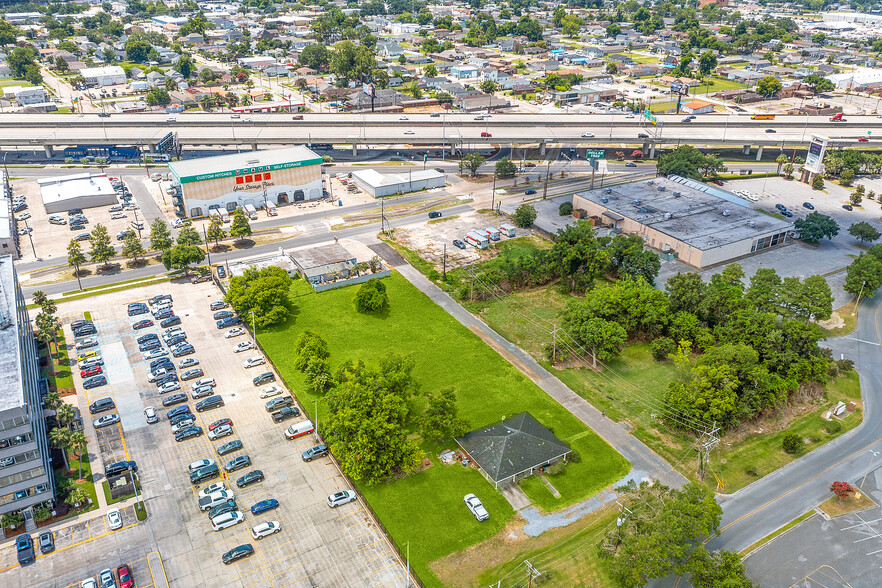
(476, 507)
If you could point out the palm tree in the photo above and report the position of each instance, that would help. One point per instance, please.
(170, 84)
(232, 100)
(77, 442)
(206, 102)
(77, 496)
(246, 99)
(53, 401)
(60, 437)
(64, 414)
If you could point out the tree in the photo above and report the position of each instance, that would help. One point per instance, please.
(195, 24)
(158, 97)
(524, 215)
(61, 65)
(489, 86)
(189, 236)
(707, 61)
(864, 231)
(687, 161)
(613, 30)
(206, 102)
(718, 569)
(77, 442)
(349, 61)
(863, 275)
(471, 162)
(48, 326)
(659, 536)
(841, 490)
(367, 413)
(768, 86)
(181, 257)
(216, 230)
(788, 170)
(817, 83)
(77, 497)
(430, 70)
(685, 292)
(505, 168)
(264, 292)
(441, 419)
(371, 296)
(316, 57)
(75, 258)
(239, 226)
(137, 49)
(816, 226)
(604, 339)
(781, 160)
(185, 65)
(846, 177)
(571, 25)
(792, 443)
(101, 250)
(818, 182)
(19, 59)
(160, 236)
(132, 248)
(309, 345)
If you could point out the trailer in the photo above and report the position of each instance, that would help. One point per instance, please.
(507, 230)
(477, 239)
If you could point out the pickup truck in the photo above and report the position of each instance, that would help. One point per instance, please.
(285, 413)
(277, 403)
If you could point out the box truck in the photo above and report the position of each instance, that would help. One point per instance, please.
(492, 233)
(250, 211)
(507, 230)
(271, 209)
(477, 239)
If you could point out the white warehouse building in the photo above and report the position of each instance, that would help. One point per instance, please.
(104, 76)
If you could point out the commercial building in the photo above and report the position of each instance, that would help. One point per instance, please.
(25, 95)
(63, 193)
(25, 467)
(378, 185)
(697, 107)
(104, 76)
(280, 176)
(698, 223)
(333, 266)
(8, 236)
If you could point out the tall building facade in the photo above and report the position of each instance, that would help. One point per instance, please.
(26, 478)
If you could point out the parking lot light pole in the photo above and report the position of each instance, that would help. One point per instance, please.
(875, 453)
(253, 330)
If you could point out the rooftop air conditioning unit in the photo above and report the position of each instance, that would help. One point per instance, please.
(677, 194)
(661, 188)
(727, 212)
(751, 224)
(604, 200)
(637, 203)
(668, 216)
(252, 161)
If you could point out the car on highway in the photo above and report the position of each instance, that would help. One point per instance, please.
(24, 549)
(408, 132)
(863, 139)
(252, 477)
(485, 134)
(47, 542)
(771, 131)
(403, 118)
(297, 117)
(341, 498)
(188, 433)
(174, 399)
(458, 243)
(808, 205)
(237, 553)
(243, 346)
(435, 214)
(265, 529)
(642, 136)
(264, 506)
(530, 192)
(234, 332)
(106, 420)
(229, 447)
(104, 115)
(114, 519)
(476, 507)
(587, 134)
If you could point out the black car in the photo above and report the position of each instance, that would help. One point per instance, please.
(47, 542)
(458, 243)
(209, 403)
(176, 339)
(231, 321)
(103, 115)
(287, 412)
(222, 314)
(174, 399)
(223, 508)
(204, 474)
(237, 463)
(177, 412)
(74, 211)
(808, 205)
(79, 324)
(120, 467)
(184, 416)
(229, 447)
(221, 271)
(182, 350)
(264, 378)
(237, 553)
(162, 362)
(188, 433)
(251, 477)
(170, 321)
(780, 207)
(94, 382)
(138, 310)
(24, 546)
(150, 345)
(85, 331)
(77, 227)
(166, 379)
(148, 337)
(435, 214)
(159, 298)
(847, 207)
(101, 405)
(786, 213)
(642, 136)
(315, 452)
(163, 313)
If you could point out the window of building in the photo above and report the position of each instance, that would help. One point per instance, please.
(766, 242)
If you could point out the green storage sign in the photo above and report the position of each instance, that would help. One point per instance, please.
(595, 154)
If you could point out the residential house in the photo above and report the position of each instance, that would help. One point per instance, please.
(389, 49)
(494, 75)
(429, 82)
(619, 58)
(277, 70)
(543, 66)
(155, 79)
(192, 39)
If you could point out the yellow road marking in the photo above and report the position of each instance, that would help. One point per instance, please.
(393, 579)
(369, 545)
(362, 535)
(297, 580)
(376, 556)
(350, 514)
(394, 563)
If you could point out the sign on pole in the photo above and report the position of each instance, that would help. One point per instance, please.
(595, 154)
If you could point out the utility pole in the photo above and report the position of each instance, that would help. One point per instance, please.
(708, 441)
(531, 569)
(382, 215)
(493, 193)
(444, 263)
(547, 175)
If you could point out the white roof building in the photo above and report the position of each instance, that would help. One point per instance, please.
(104, 76)
(62, 193)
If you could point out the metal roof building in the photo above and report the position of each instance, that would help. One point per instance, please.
(513, 448)
(378, 185)
(63, 193)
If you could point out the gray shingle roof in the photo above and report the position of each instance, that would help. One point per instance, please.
(512, 446)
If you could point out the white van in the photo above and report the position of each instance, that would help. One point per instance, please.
(215, 499)
(228, 519)
(299, 430)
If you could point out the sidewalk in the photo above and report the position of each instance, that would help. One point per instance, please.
(639, 455)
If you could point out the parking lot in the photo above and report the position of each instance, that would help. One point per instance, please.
(317, 545)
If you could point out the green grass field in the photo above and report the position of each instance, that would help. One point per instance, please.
(87, 485)
(488, 389)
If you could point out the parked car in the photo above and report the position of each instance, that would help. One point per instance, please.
(315, 452)
(237, 463)
(270, 391)
(212, 488)
(209, 403)
(24, 548)
(277, 403)
(221, 271)
(476, 507)
(204, 382)
(265, 529)
(126, 580)
(264, 378)
(222, 314)
(286, 412)
(192, 373)
(234, 332)
(150, 415)
(91, 371)
(253, 361)
(201, 392)
(808, 205)
(220, 423)
(251, 477)
(106, 576)
(169, 387)
(223, 508)
(119, 467)
(264, 506)
(228, 322)
(459, 244)
(47, 542)
(204, 474)
(237, 553)
(170, 321)
(243, 346)
(229, 447)
(114, 519)
(188, 433)
(106, 420)
(847, 207)
(341, 498)
(177, 412)
(217, 305)
(183, 349)
(182, 424)
(222, 431)
(187, 362)
(174, 399)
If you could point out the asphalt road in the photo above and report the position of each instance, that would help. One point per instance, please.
(771, 502)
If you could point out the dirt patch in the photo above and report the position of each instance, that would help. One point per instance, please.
(834, 322)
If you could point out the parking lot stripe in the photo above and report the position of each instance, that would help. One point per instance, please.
(370, 545)
(368, 532)
(122, 438)
(376, 556)
(350, 514)
(295, 581)
(394, 563)
(392, 580)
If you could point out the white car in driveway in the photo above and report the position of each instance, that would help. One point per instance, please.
(476, 507)
(114, 519)
(253, 361)
(234, 332)
(270, 391)
(243, 346)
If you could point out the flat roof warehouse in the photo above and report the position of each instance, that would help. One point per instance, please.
(227, 166)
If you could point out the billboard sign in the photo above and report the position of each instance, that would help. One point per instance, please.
(595, 154)
(814, 161)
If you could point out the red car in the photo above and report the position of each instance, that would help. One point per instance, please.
(142, 324)
(485, 134)
(92, 371)
(297, 117)
(220, 422)
(126, 580)
(863, 139)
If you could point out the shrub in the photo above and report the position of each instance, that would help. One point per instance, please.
(42, 514)
(818, 182)
(662, 348)
(792, 443)
(556, 468)
(565, 209)
(574, 457)
(751, 470)
(371, 297)
(833, 427)
(524, 216)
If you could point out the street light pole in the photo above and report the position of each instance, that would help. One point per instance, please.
(875, 453)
